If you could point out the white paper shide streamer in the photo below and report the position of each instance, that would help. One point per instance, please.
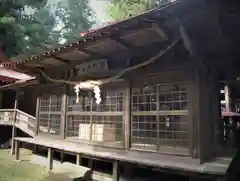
(90, 85)
(97, 94)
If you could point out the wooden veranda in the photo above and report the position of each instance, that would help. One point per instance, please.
(163, 114)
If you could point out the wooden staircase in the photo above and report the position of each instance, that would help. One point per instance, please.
(24, 121)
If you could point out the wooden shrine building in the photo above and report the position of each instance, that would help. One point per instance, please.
(163, 108)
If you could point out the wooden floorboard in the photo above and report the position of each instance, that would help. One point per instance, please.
(177, 163)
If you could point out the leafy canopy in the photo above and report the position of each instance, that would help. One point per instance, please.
(123, 9)
(29, 26)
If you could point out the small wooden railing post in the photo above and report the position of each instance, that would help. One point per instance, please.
(14, 123)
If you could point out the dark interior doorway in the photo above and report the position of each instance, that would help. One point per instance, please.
(8, 98)
(26, 103)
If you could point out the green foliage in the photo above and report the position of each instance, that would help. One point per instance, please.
(14, 23)
(76, 17)
(40, 33)
(30, 26)
(122, 9)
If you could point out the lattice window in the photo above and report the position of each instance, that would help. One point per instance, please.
(144, 99)
(159, 116)
(90, 122)
(51, 103)
(73, 126)
(112, 101)
(50, 114)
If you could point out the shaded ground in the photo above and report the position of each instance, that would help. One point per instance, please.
(29, 170)
(32, 168)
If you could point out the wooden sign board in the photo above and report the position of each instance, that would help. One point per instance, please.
(92, 66)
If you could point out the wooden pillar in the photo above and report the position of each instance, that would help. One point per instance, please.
(192, 119)
(116, 173)
(17, 147)
(79, 159)
(50, 159)
(207, 112)
(14, 123)
(63, 113)
(127, 117)
(37, 114)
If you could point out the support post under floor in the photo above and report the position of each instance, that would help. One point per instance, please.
(115, 174)
(17, 151)
(62, 156)
(78, 160)
(12, 140)
(50, 159)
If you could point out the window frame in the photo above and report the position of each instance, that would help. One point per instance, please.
(91, 114)
(157, 113)
(45, 96)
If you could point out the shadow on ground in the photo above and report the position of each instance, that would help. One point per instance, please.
(64, 177)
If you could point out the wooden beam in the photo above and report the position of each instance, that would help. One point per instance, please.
(90, 53)
(134, 51)
(65, 61)
(14, 122)
(186, 39)
(50, 159)
(160, 31)
(116, 173)
(121, 41)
